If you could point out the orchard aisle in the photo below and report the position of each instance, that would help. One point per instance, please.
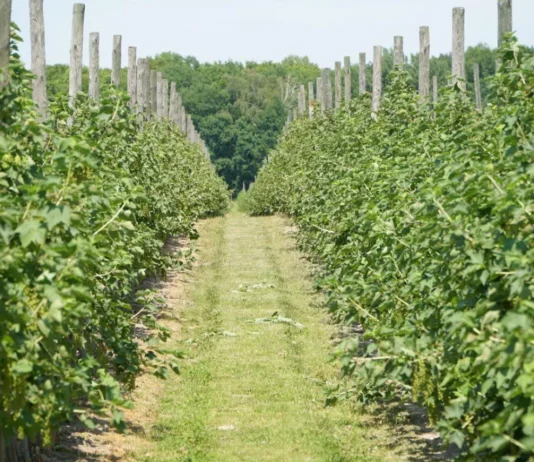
(252, 391)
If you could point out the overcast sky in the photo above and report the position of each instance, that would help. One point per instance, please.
(268, 30)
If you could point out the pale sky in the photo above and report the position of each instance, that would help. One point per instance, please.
(269, 30)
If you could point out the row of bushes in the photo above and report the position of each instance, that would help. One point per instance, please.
(87, 200)
(423, 223)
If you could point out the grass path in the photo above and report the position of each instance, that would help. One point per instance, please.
(250, 391)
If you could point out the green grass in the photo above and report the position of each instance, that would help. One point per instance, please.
(254, 392)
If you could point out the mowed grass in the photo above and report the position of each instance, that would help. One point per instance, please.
(253, 391)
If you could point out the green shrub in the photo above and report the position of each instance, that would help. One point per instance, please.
(423, 223)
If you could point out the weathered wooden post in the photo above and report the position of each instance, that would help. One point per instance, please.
(398, 51)
(76, 51)
(37, 32)
(5, 52)
(179, 104)
(505, 19)
(326, 97)
(165, 105)
(424, 62)
(295, 113)
(338, 97)
(148, 98)
(319, 96)
(132, 75)
(190, 129)
(140, 88)
(154, 93)
(159, 96)
(377, 78)
(435, 88)
(458, 47)
(302, 100)
(94, 65)
(478, 92)
(348, 81)
(172, 103)
(183, 118)
(363, 80)
(311, 99)
(116, 62)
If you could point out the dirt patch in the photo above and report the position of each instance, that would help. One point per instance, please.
(75, 442)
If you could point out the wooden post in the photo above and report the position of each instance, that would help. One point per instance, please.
(424, 62)
(116, 62)
(458, 47)
(154, 93)
(183, 119)
(5, 40)
(302, 100)
(94, 65)
(326, 97)
(148, 99)
(76, 51)
(398, 51)
(319, 95)
(172, 103)
(363, 80)
(295, 113)
(159, 96)
(311, 99)
(348, 81)
(37, 32)
(478, 92)
(190, 129)
(132, 75)
(179, 104)
(505, 19)
(165, 105)
(377, 78)
(140, 88)
(338, 97)
(435, 88)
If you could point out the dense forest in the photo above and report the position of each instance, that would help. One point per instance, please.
(240, 109)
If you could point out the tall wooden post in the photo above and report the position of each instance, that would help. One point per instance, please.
(5, 51)
(326, 82)
(348, 81)
(458, 47)
(179, 104)
(398, 51)
(172, 103)
(76, 51)
(183, 119)
(311, 99)
(140, 88)
(377, 78)
(148, 98)
(94, 65)
(116, 62)
(424, 62)
(159, 96)
(302, 100)
(165, 105)
(505, 18)
(478, 92)
(319, 96)
(132, 75)
(435, 88)
(190, 129)
(363, 79)
(338, 96)
(37, 32)
(154, 93)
